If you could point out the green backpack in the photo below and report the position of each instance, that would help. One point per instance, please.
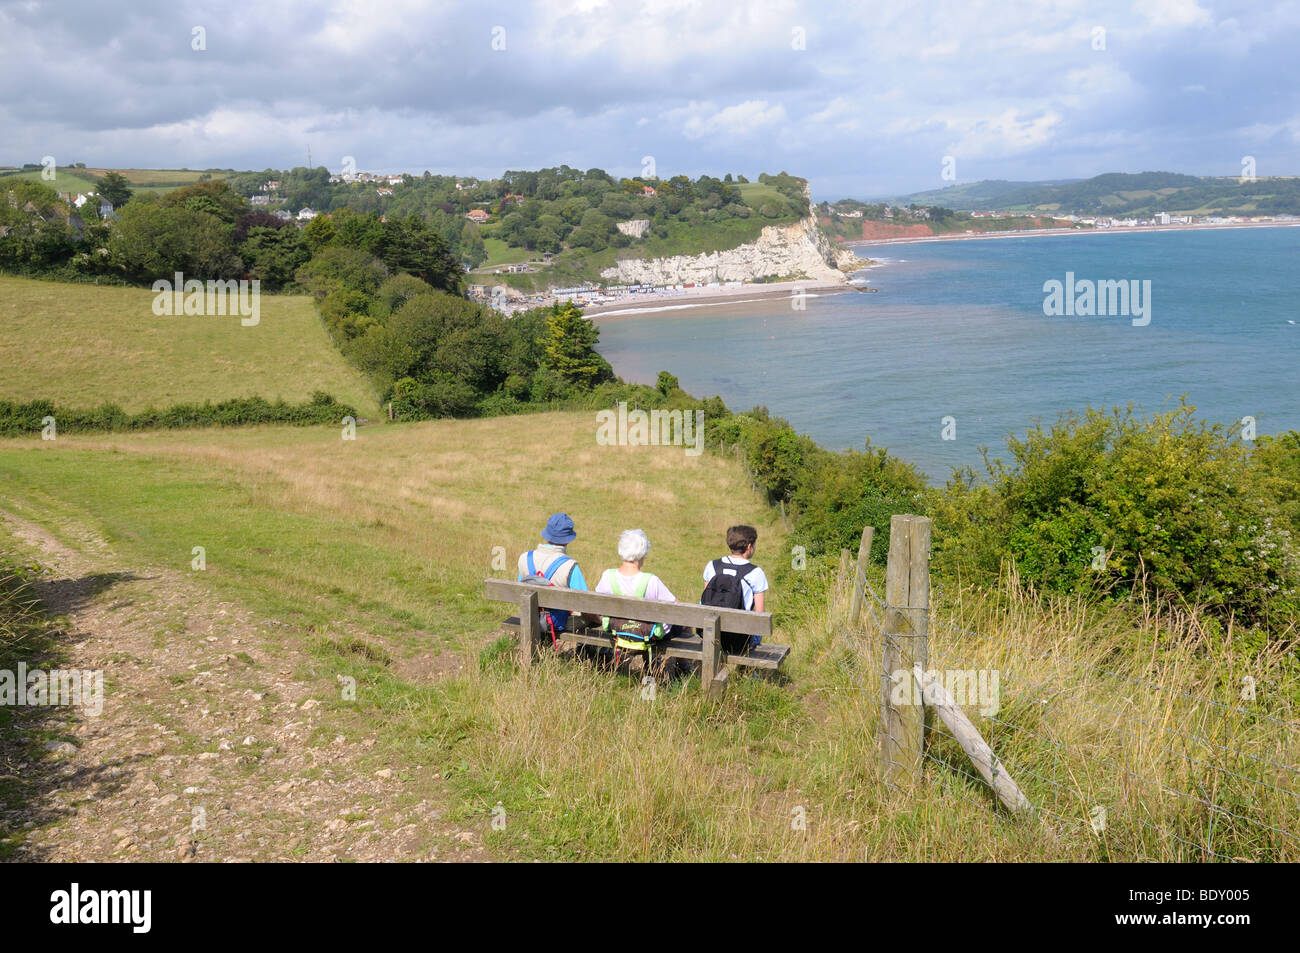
(629, 633)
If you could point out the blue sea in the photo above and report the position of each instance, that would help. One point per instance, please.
(955, 341)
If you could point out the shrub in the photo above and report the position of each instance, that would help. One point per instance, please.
(1112, 502)
(19, 419)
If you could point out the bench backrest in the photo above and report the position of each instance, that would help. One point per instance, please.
(630, 607)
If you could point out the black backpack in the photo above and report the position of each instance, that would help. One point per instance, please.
(724, 589)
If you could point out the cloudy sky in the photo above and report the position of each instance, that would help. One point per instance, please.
(865, 99)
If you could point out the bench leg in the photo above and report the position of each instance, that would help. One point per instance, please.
(711, 666)
(528, 626)
(719, 684)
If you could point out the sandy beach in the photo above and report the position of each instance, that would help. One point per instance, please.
(643, 304)
(1043, 232)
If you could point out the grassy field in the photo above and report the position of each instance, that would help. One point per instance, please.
(65, 180)
(499, 253)
(756, 193)
(82, 345)
(142, 181)
(381, 544)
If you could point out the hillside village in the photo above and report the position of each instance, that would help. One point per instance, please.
(524, 239)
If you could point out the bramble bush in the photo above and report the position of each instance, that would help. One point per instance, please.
(829, 495)
(1109, 503)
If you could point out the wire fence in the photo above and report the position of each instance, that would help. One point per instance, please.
(1135, 768)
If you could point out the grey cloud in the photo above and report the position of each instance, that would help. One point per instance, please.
(104, 83)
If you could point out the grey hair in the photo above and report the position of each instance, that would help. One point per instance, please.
(633, 545)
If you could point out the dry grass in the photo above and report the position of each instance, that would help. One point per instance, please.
(387, 538)
(1141, 715)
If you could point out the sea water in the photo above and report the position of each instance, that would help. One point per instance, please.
(954, 351)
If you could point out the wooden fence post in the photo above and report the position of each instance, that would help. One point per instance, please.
(860, 573)
(905, 638)
(836, 598)
(972, 742)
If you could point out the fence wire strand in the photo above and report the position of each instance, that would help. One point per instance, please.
(858, 640)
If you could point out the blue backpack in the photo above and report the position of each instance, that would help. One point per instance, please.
(552, 620)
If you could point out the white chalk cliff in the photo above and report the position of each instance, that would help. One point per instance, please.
(797, 250)
(800, 250)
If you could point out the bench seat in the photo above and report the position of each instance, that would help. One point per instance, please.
(712, 622)
(765, 656)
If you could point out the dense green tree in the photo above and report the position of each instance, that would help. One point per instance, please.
(114, 187)
(217, 199)
(355, 230)
(412, 246)
(1170, 502)
(569, 345)
(273, 255)
(255, 219)
(302, 187)
(38, 226)
(433, 335)
(318, 233)
(404, 244)
(342, 269)
(395, 292)
(151, 240)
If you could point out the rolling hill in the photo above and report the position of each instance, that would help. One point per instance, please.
(1123, 194)
(142, 181)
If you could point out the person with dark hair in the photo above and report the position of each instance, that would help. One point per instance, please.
(733, 582)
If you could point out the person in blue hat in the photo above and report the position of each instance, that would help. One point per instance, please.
(552, 563)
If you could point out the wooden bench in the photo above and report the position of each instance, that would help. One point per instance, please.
(715, 662)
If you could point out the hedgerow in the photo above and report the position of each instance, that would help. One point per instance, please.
(32, 417)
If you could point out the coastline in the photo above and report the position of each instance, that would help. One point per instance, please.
(648, 304)
(1046, 232)
(645, 304)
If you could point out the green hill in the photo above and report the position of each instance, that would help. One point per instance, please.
(142, 181)
(1124, 194)
(329, 560)
(81, 345)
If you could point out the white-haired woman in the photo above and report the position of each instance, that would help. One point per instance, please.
(629, 579)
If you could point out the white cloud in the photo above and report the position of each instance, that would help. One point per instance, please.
(1163, 14)
(883, 90)
(699, 120)
(1007, 133)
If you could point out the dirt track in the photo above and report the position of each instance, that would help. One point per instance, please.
(213, 743)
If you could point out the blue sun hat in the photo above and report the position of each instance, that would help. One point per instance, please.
(559, 530)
